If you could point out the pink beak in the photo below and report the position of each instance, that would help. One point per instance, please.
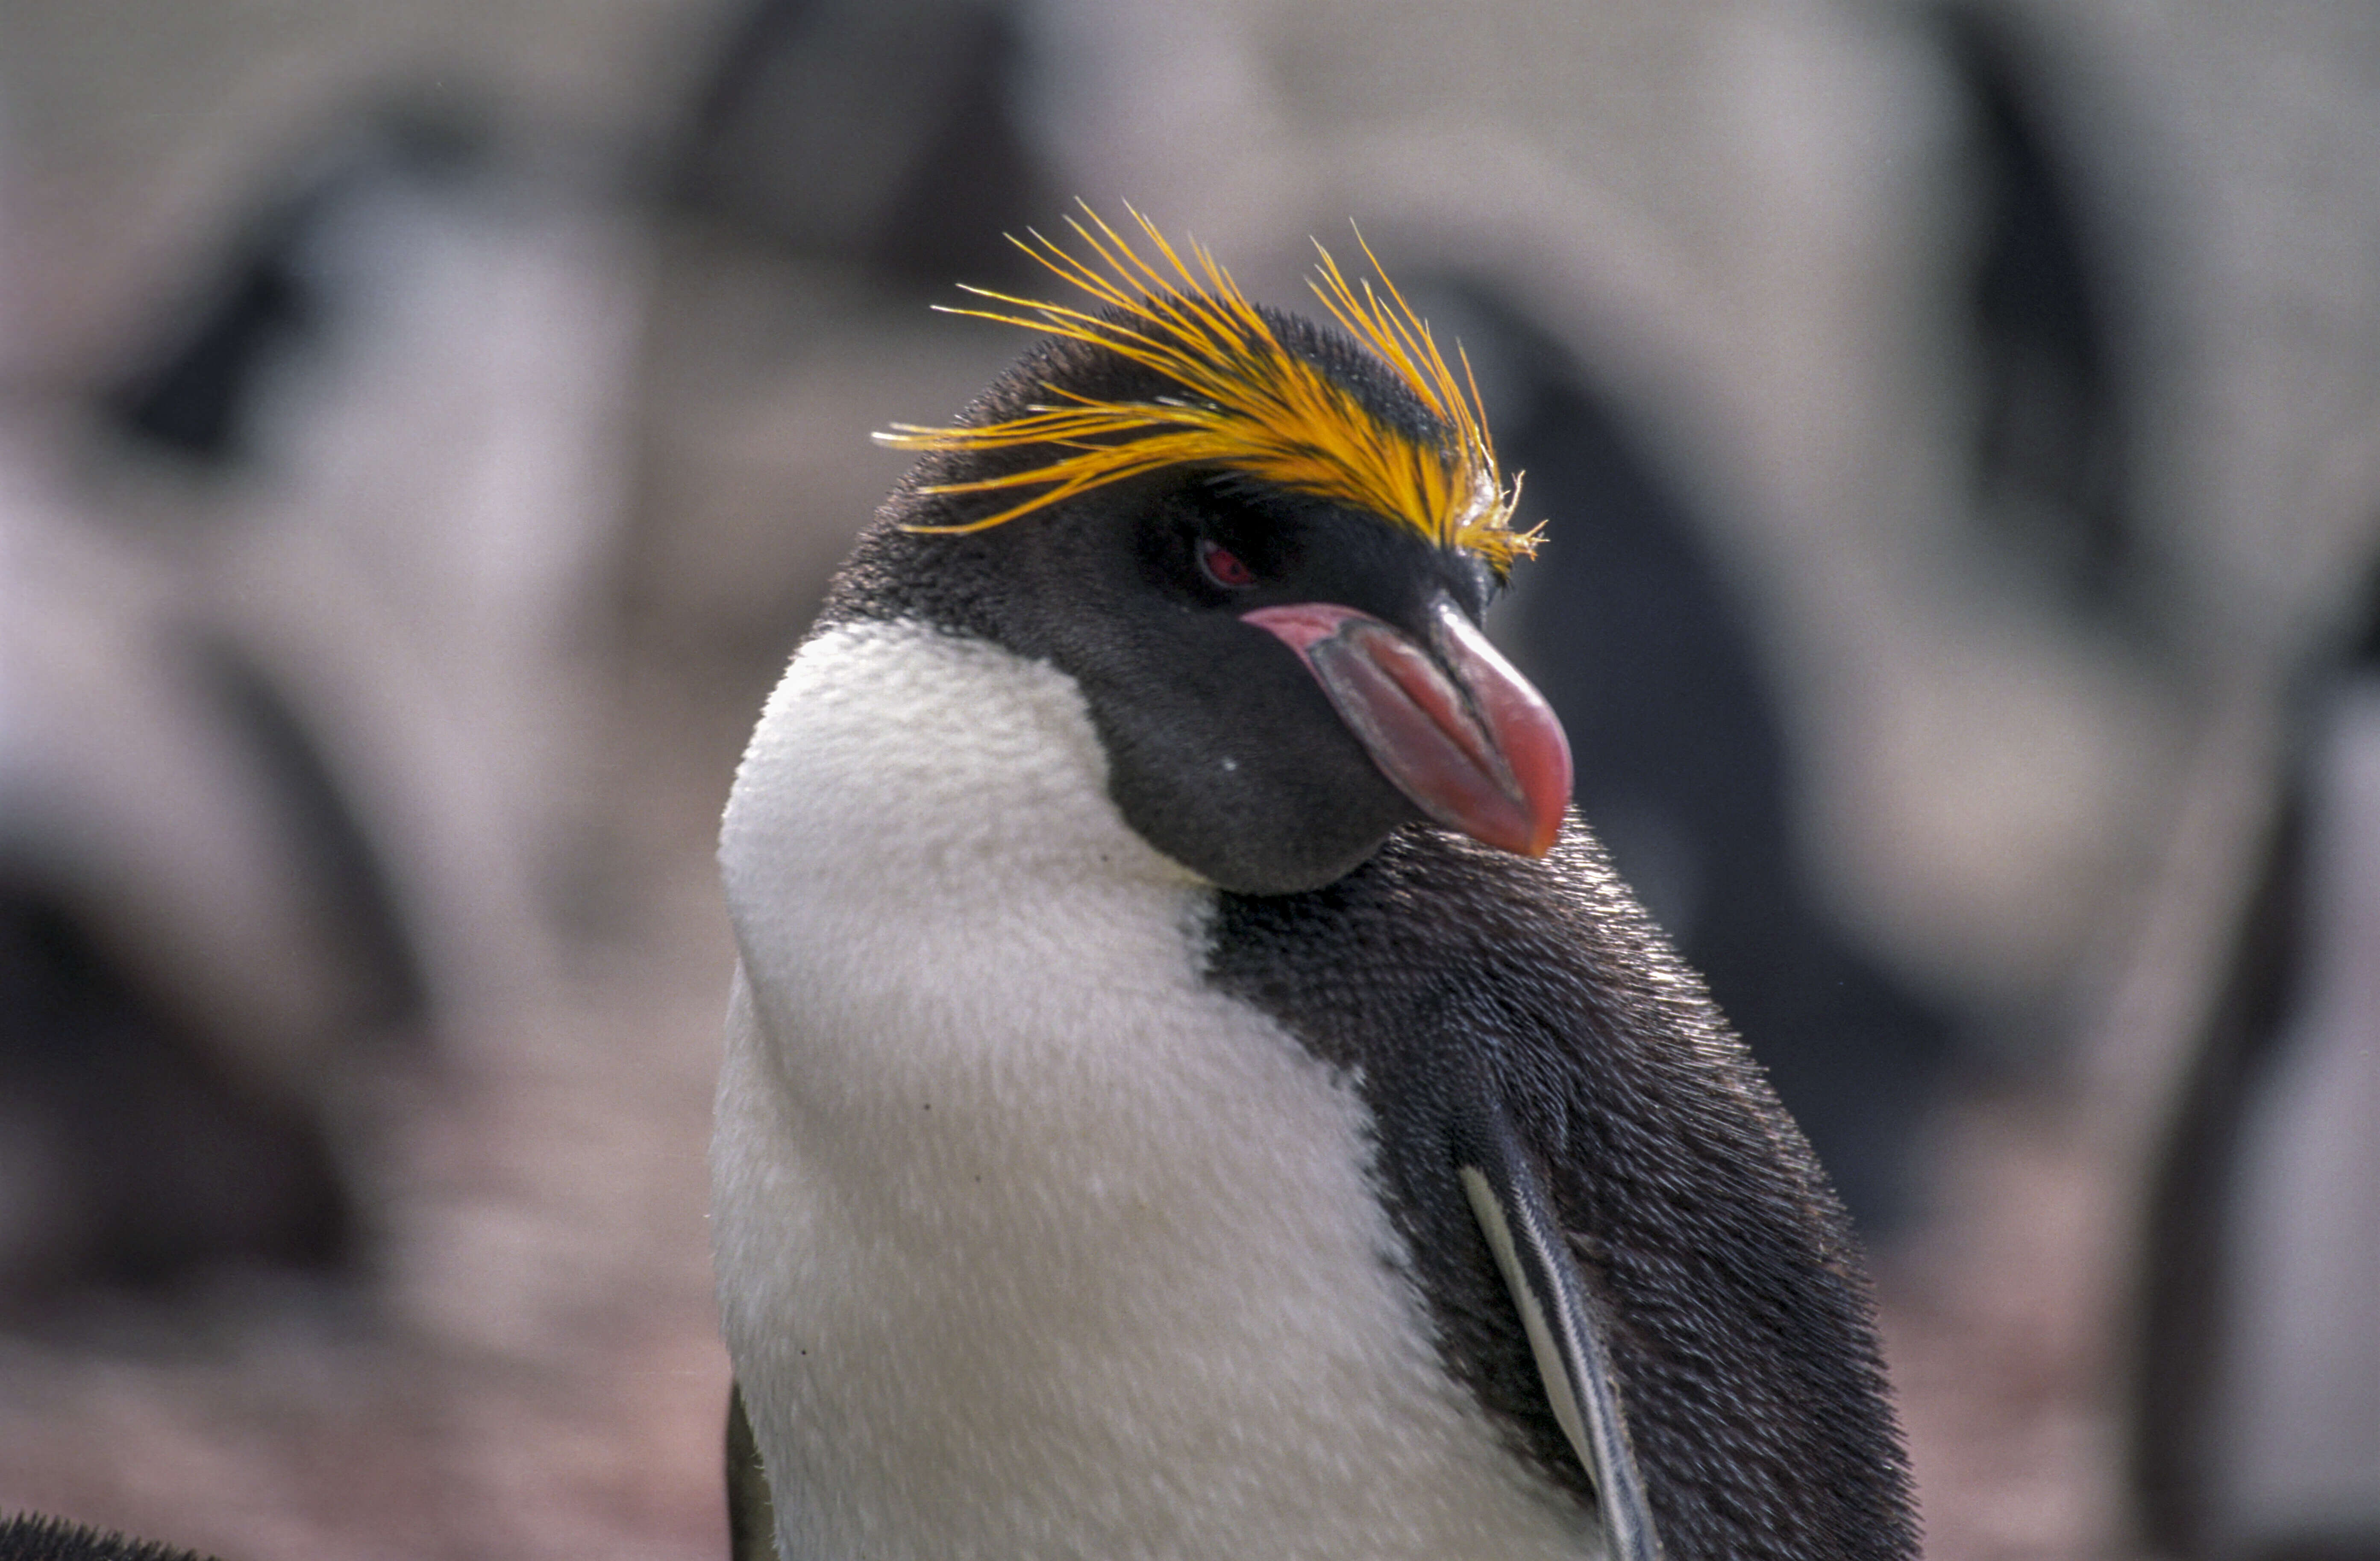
(1453, 726)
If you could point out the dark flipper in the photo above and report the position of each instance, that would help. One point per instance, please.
(1565, 1326)
(751, 1513)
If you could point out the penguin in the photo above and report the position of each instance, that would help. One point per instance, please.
(1193, 1088)
(2253, 1418)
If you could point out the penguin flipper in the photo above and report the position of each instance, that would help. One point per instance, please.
(751, 1510)
(1565, 1326)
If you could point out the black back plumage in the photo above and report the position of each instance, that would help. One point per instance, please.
(1744, 1339)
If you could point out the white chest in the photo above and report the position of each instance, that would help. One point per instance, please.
(1029, 1243)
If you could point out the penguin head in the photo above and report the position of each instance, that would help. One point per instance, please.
(1262, 552)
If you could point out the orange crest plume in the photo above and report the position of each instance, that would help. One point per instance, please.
(1246, 404)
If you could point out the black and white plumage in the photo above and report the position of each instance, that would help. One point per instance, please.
(1148, 1130)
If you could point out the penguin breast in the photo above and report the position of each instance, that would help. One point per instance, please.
(1030, 1240)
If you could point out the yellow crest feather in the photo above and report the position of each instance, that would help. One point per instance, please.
(1247, 403)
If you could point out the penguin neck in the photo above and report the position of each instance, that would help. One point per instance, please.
(893, 750)
(919, 818)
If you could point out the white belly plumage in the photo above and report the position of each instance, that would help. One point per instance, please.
(1030, 1245)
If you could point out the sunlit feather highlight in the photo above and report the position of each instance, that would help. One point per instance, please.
(1247, 404)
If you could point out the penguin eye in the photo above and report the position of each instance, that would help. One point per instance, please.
(1223, 566)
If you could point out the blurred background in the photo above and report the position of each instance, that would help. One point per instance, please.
(426, 428)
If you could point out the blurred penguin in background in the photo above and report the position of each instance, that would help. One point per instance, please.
(286, 680)
(2256, 1412)
(1684, 766)
(884, 134)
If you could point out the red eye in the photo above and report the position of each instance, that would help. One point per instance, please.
(1225, 567)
